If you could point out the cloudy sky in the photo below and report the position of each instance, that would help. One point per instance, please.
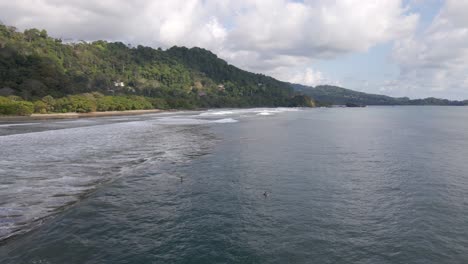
(415, 48)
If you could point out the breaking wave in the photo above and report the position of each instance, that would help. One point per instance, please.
(45, 172)
(177, 120)
(247, 112)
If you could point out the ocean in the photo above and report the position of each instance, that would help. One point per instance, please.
(264, 185)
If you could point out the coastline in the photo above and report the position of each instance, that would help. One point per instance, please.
(79, 115)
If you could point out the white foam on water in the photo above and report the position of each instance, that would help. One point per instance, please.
(273, 111)
(265, 114)
(180, 120)
(43, 172)
(17, 124)
(216, 113)
(255, 111)
(225, 120)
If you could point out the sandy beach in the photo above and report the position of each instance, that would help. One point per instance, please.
(78, 115)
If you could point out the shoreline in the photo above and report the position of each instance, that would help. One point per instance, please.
(72, 115)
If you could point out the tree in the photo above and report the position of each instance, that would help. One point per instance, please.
(32, 34)
(40, 107)
(49, 102)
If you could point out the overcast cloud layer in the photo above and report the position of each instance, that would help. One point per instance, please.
(281, 38)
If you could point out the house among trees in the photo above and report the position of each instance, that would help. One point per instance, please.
(221, 87)
(119, 84)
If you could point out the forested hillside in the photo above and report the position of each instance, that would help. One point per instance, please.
(110, 76)
(333, 95)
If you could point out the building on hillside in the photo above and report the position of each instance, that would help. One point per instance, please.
(119, 84)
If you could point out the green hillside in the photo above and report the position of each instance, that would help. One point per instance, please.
(110, 76)
(334, 95)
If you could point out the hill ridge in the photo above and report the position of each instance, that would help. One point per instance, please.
(335, 95)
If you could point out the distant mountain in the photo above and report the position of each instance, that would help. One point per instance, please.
(334, 95)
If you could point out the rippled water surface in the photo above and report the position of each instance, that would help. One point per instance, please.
(370, 185)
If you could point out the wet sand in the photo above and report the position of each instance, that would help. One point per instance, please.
(79, 115)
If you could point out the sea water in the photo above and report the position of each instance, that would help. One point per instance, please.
(279, 185)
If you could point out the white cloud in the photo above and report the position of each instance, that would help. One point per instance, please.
(154, 23)
(320, 28)
(278, 37)
(307, 76)
(310, 77)
(287, 37)
(434, 63)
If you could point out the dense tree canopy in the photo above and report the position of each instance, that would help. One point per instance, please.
(35, 66)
